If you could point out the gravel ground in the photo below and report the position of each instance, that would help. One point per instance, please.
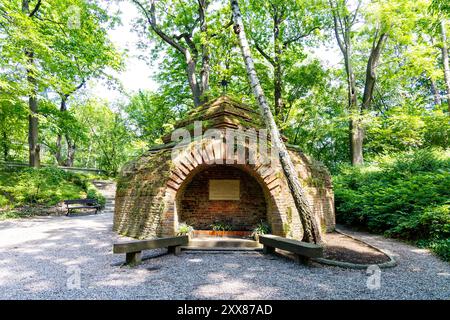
(40, 258)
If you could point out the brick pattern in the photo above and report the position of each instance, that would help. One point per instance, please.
(149, 190)
(244, 214)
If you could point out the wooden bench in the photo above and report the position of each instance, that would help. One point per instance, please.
(302, 250)
(82, 204)
(133, 249)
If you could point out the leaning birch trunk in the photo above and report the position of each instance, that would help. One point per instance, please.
(310, 229)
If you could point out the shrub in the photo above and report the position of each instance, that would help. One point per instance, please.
(404, 196)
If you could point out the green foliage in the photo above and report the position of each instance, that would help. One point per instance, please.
(404, 196)
(262, 228)
(184, 229)
(221, 226)
(45, 186)
(110, 142)
(151, 115)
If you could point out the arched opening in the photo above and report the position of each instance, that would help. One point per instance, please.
(222, 194)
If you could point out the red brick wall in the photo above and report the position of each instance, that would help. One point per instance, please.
(197, 210)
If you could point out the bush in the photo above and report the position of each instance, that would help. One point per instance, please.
(404, 196)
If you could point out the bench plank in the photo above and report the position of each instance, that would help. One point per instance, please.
(139, 245)
(81, 201)
(309, 250)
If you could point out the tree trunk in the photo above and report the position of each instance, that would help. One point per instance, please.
(192, 79)
(356, 125)
(71, 148)
(5, 147)
(310, 228)
(356, 132)
(58, 153)
(342, 30)
(445, 61)
(436, 94)
(189, 52)
(277, 72)
(206, 57)
(356, 140)
(33, 123)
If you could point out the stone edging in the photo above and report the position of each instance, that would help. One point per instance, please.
(389, 264)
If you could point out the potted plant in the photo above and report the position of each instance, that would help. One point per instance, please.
(215, 228)
(185, 229)
(261, 228)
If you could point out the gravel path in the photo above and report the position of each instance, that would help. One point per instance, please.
(40, 258)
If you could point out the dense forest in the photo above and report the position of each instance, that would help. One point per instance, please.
(363, 86)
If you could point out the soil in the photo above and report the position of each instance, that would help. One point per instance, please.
(342, 248)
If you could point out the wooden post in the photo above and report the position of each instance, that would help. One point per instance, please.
(267, 249)
(176, 250)
(133, 258)
(302, 259)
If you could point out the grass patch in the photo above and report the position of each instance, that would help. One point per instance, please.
(44, 187)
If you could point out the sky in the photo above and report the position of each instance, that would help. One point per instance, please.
(138, 74)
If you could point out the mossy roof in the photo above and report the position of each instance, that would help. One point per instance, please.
(220, 113)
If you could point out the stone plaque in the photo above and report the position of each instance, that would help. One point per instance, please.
(224, 190)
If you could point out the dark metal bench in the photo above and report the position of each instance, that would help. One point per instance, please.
(81, 204)
(302, 250)
(133, 249)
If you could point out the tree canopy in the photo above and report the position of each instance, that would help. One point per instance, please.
(347, 81)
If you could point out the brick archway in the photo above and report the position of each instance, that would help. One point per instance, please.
(243, 213)
(188, 166)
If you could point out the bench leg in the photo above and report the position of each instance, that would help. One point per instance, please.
(133, 258)
(176, 250)
(302, 259)
(268, 250)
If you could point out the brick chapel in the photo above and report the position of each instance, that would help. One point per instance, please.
(157, 192)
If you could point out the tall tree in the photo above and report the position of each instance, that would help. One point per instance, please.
(33, 122)
(310, 228)
(74, 62)
(344, 22)
(185, 29)
(59, 44)
(281, 41)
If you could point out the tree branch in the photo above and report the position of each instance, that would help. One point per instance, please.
(188, 39)
(151, 18)
(300, 36)
(264, 54)
(36, 8)
(336, 28)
